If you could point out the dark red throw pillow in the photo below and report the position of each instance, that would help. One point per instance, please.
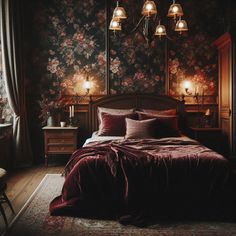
(166, 126)
(114, 125)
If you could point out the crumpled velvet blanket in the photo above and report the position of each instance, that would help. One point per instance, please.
(136, 181)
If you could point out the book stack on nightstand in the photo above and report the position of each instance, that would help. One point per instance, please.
(59, 140)
(209, 137)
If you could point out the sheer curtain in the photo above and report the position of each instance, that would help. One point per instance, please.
(13, 73)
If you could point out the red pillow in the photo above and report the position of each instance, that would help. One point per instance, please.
(166, 126)
(114, 125)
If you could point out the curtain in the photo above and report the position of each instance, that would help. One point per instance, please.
(13, 74)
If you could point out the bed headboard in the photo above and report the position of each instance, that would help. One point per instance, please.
(138, 101)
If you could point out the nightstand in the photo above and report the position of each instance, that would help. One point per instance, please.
(209, 137)
(59, 140)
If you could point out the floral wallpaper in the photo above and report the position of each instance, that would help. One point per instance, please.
(192, 56)
(135, 66)
(194, 61)
(5, 110)
(69, 46)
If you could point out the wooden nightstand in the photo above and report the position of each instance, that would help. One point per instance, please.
(59, 140)
(209, 137)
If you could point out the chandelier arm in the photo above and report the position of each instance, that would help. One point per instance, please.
(136, 27)
(168, 37)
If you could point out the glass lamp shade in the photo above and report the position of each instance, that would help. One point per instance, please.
(181, 25)
(87, 85)
(119, 13)
(175, 10)
(160, 30)
(149, 8)
(115, 25)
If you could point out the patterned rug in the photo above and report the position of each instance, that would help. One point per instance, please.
(34, 220)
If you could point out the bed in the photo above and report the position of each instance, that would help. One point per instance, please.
(136, 177)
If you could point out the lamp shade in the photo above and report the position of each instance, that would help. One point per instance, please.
(208, 112)
(149, 8)
(187, 84)
(87, 85)
(175, 10)
(115, 25)
(181, 26)
(160, 30)
(119, 13)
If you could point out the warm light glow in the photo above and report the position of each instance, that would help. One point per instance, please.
(115, 25)
(149, 7)
(87, 85)
(160, 30)
(119, 13)
(149, 12)
(207, 112)
(175, 9)
(181, 25)
(187, 84)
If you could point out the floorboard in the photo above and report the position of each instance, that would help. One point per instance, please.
(22, 183)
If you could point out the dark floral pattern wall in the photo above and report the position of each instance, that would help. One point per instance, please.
(194, 61)
(193, 57)
(69, 46)
(135, 66)
(5, 110)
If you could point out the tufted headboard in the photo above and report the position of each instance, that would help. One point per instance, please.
(138, 101)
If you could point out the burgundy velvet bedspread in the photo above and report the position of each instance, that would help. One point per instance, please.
(135, 180)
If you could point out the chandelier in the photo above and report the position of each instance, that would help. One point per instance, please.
(149, 13)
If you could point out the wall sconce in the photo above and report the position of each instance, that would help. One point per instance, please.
(87, 85)
(187, 86)
(78, 98)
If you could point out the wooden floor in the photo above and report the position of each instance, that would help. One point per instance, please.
(21, 184)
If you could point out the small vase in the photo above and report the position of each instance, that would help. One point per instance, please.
(50, 120)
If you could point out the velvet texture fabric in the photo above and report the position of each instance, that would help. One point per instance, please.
(166, 125)
(114, 125)
(113, 111)
(11, 42)
(135, 181)
(140, 128)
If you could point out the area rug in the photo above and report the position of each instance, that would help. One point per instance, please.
(34, 220)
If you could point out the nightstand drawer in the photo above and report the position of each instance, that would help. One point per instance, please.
(62, 140)
(61, 149)
(61, 133)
